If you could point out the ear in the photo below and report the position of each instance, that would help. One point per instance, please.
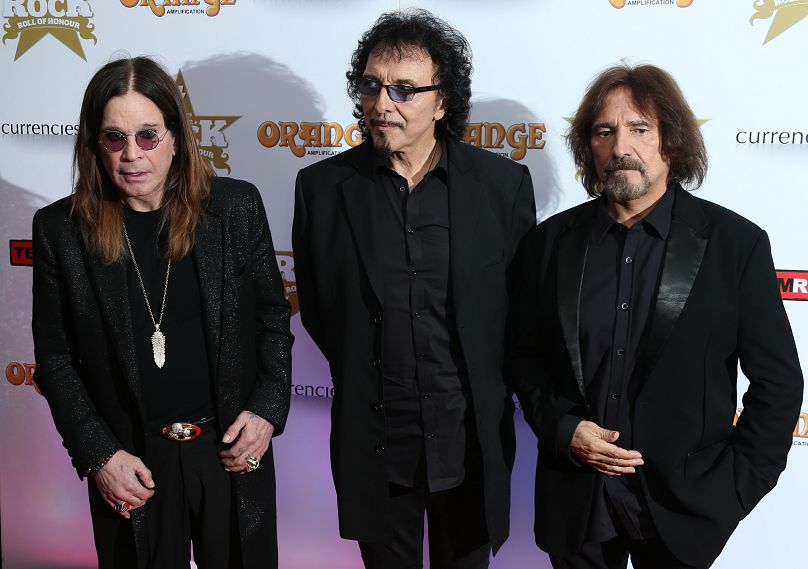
(440, 107)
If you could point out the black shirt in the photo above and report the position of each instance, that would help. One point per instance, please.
(181, 389)
(425, 381)
(621, 276)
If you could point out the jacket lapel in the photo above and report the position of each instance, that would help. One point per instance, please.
(208, 257)
(113, 297)
(572, 250)
(683, 255)
(359, 194)
(464, 201)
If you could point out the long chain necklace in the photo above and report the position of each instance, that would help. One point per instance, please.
(158, 339)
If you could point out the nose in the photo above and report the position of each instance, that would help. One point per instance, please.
(131, 150)
(621, 146)
(384, 104)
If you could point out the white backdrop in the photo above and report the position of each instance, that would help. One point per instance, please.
(254, 71)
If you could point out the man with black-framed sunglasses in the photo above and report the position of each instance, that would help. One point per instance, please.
(402, 245)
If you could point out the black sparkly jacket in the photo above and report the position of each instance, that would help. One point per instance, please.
(86, 363)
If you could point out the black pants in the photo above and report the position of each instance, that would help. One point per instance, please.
(192, 503)
(614, 554)
(458, 537)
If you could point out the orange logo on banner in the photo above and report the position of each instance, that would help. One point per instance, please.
(21, 374)
(786, 13)
(621, 3)
(300, 136)
(286, 264)
(31, 20)
(162, 7)
(520, 137)
(209, 130)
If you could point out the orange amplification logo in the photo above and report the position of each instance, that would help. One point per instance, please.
(800, 429)
(622, 3)
(162, 7)
(18, 373)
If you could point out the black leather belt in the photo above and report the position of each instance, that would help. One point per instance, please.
(184, 431)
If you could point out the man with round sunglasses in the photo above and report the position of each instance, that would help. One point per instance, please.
(402, 247)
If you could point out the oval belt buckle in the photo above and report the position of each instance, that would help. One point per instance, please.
(181, 431)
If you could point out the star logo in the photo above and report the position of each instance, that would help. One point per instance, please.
(786, 13)
(31, 20)
(209, 131)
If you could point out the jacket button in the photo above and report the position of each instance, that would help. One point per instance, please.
(379, 449)
(377, 407)
(376, 363)
(376, 319)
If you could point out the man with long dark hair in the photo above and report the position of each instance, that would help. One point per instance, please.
(632, 313)
(402, 246)
(162, 334)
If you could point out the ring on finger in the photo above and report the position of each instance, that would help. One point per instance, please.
(122, 507)
(252, 463)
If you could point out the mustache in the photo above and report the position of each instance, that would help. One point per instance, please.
(624, 163)
(383, 122)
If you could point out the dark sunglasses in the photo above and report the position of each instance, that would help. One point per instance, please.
(397, 93)
(146, 139)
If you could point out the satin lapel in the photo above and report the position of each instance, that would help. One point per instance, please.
(464, 201)
(572, 249)
(359, 194)
(113, 297)
(683, 255)
(208, 256)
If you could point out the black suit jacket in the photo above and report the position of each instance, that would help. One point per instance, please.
(338, 268)
(717, 303)
(86, 364)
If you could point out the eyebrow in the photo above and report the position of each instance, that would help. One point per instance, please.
(638, 122)
(143, 126)
(372, 77)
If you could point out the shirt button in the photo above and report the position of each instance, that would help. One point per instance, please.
(420, 356)
(620, 351)
(402, 189)
(413, 272)
(417, 314)
(614, 396)
(430, 435)
(427, 395)
(376, 319)
(379, 449)
(376, 362)
(410, 229)
(624, 306)
(377, 407)
(629, 260)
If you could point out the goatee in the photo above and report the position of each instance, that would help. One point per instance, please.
(617, 186)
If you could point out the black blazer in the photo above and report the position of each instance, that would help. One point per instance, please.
(717, 303)
(86, 364)
(338, 268)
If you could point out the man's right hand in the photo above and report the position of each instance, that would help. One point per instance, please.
(124, 479)
(594, 446)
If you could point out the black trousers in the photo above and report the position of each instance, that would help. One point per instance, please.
(614, 554)
(192, 504)
(458, 536)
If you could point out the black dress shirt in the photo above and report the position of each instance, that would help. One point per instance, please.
(621, 276)
(181, 389)
(425, 381)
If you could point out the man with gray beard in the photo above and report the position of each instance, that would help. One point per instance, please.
(632, 313)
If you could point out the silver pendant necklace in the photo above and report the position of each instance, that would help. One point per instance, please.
(158, 339)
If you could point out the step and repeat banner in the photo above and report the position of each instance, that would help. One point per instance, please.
(264, 85)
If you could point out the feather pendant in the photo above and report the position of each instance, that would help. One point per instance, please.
(158, 342)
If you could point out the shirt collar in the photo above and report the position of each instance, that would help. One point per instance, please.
(659, 219)
(380, 165)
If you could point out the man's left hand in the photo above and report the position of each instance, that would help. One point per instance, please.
(250, 435)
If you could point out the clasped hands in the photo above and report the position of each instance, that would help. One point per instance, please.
(126, 483)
